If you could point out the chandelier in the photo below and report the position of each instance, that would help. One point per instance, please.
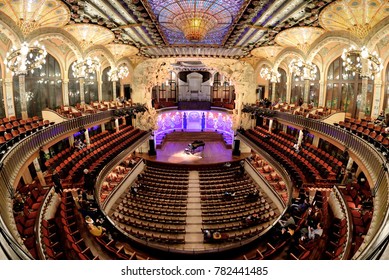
(82, 67)
(20, 61)
(118, 73)
(306, 71)
(353, 61)
(271, 75)
(195, 25)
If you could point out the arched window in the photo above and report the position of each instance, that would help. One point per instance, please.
(91, 88)
(107, 86)
(298, 85)
(43, 88)
(74, 88)
(2, 103)
(297, 89)
(344, 90)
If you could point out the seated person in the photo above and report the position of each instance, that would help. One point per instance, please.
(96, 230)
(207, 234)
(380, 119)
(287, 233)
(229, 195)
(314, 233)
(287, 220)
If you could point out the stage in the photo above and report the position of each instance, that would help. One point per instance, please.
(214, 152)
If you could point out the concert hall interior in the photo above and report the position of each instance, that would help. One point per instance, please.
(194, 129)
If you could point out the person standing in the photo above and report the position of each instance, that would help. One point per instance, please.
(88, 182)
(56, 178)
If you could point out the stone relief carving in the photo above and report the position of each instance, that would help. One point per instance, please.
(147, 120)
(154, 71)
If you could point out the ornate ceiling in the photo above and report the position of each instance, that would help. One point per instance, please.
(202, 28)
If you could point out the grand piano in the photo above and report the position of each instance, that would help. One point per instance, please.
(192, 147)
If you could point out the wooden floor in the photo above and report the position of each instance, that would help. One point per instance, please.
(214, 152)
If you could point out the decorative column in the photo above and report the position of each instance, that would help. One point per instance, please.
(300, 138)
(39, 172)
(99, 90)
(117, 125)
(87, 139)
(82, 90)
(71, 140)
(316, 140)
(9, 106)
(365, 82)
(363, 102)
(22, 93)
(307, 87)
(322, 92)
(288, 88)
(121, 90)
(273, 92)
(349, 164)
(65, 92)
(113, 90)
(26, 175)
(270, 125)
(376, 98)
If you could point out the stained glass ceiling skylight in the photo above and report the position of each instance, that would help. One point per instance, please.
(195, 21)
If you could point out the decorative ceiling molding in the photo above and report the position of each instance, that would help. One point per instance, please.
(299, 37)
(90, 34)
(357, 17)
(34, 14)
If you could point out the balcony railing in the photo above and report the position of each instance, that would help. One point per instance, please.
(22, 152)
(373, 161)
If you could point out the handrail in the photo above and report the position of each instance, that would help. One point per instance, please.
(275, 164)
(373, 161)
(22, 151)
(111, 165)
(348, 217)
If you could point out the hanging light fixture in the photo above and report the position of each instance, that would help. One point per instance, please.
(195, 25)
(118, 73)
(82, 67)
(304, 70)
(26, 58)
(268, 74)
(353, 61)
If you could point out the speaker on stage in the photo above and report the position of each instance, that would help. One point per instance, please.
(152, 151)
(236, 151)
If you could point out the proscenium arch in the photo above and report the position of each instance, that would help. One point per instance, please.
(240, 73)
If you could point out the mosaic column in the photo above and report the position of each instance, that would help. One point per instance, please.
(10, 107)
(65, 92)
(273, 92)
(22, 93)
(39, 172)
(82, 90)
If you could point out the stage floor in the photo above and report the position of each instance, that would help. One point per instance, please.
(214, 152)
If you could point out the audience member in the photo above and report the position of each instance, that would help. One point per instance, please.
(315, 233)
(287, 220)
(381, 118)
(88, 182)
(56, 178)
(96, 230)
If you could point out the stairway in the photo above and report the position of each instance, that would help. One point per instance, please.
(193, 234)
